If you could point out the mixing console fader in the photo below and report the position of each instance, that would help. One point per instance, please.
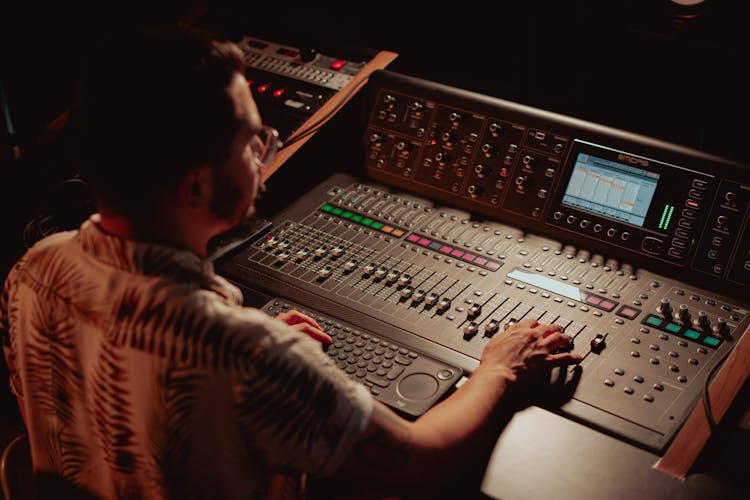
(476, 214)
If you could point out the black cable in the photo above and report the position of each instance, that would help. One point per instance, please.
(706, 402)
(320, 121)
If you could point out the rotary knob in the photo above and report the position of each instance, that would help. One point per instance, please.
(522, 181)
(665, 308)
(722, 328)
(683, 314)
(703, 321)
(481, 170)
(474, 191)
(449, 137)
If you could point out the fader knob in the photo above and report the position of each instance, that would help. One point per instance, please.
(368, 270)
(431, 299)
(491, 328)
(470, 330)
(417, 296)
(444, 304)
(474, 311)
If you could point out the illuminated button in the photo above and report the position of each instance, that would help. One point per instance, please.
(711, 341)
(689, 333)
(338, 64)
(607, 305)
(398, 233)
(673, 328)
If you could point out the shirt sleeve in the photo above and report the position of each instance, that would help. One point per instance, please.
(298, 408)
(5, 343)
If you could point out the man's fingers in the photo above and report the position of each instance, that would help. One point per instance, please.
(294, 317)
(313, 332)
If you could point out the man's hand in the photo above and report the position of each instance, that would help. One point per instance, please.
(527, 346)
(304, 324)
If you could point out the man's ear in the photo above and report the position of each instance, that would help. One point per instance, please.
(195, 188)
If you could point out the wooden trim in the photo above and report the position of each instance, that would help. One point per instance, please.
(380, 61)
(694, 434)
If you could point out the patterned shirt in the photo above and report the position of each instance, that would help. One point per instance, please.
(142, 375)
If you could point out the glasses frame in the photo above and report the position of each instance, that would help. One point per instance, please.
(268, 147)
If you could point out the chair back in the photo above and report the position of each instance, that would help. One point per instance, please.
(16, 472)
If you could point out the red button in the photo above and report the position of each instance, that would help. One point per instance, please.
(338, 64)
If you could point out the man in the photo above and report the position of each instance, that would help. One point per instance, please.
(139, 372)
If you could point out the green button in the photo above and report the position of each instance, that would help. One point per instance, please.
(356, 218)
(336, 211)
(377, 225)
(671, 327)
(347, 215)
(653, 320)
(366, 222)
(691, 334)
(326, 207)
(712, 341)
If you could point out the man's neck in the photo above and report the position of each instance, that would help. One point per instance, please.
(161, 230)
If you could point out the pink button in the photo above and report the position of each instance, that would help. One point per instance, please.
(457, 253)
(412, 237)
(607, 305)
(424, 242)
(468, 257)
(480, 260)
(593, 299)
(446, 249)
(493, 265)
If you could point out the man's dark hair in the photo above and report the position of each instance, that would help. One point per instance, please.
(153, 105)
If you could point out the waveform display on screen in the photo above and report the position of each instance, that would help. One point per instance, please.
(611, 189)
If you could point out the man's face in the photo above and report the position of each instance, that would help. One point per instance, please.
(237, 182)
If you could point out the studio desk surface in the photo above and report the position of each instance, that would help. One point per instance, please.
(615, 439)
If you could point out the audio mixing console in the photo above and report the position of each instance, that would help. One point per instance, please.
(474, 213)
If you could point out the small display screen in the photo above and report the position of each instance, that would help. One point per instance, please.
(610, 189)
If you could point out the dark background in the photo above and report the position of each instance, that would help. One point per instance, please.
(647, 66)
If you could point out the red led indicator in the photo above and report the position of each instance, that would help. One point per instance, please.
(249, 81)
(278, 92)
(262, 88)
(338, 64)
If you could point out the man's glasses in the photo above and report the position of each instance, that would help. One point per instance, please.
(267, 145)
